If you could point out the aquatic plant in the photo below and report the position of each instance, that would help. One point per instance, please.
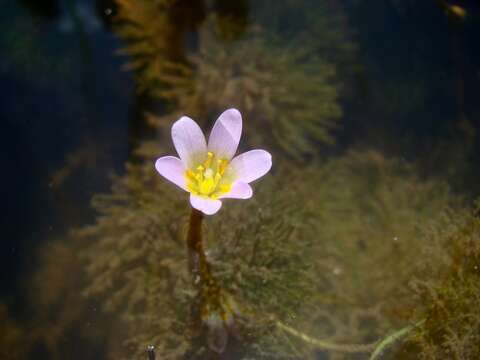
(448, 302)
(139, 265)
(300, 257)
(370, 212)
(210, 172)
(154, 34)
(322, 26)
(291, 266)
(289, 100)
(288, 91)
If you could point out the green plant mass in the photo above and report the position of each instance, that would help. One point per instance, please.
(300, 257)
(448, 300)
(280, 93)
(290, 92)
(138, 265)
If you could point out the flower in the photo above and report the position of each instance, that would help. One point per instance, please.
(209, 172)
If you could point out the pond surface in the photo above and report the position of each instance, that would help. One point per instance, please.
(361, 242)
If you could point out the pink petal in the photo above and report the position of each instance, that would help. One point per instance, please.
(225, 135)
(205, 205)
(250, 165)
(240, 190)
(189, 142)
(171, 168)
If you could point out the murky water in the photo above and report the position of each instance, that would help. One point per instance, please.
(361, 242)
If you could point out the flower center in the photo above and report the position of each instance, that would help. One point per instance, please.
(208, 178)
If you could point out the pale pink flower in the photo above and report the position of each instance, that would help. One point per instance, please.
(209, 172)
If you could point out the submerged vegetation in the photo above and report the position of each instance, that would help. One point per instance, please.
(448, 301)
(140, 263)
(331, 258)
(300, 258)
(273, 86)
(294, 91)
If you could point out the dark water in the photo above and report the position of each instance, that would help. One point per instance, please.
(394, 84)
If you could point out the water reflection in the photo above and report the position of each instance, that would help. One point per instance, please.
(355, 237)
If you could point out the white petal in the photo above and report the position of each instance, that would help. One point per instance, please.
(189, 142)
(205, 205)
(250, 165)
(225, 135)
(240, 190)
(171, 168)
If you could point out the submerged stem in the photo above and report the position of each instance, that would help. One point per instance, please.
(378, 347)
(390, 339)
(216, 310)
(194, 237)
(322, 344)
(196, 256)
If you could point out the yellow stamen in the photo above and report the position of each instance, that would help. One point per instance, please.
(208, 178)
(208, 162)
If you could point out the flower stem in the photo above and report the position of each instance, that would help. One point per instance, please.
(194, 237)
(213, 307)
(197, 262)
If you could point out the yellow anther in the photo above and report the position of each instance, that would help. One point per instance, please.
(208, 162)
(191, 174)
(222, 165)
(206, 179)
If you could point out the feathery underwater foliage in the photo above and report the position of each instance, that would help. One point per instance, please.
(137, 261)
(449, 301)
(283, 93)
(322, 25)
(153, 38)
(290, 90)
(370, 211)
(302, 256)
